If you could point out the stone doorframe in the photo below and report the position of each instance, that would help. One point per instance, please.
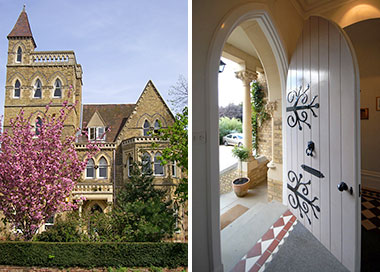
(277, 62)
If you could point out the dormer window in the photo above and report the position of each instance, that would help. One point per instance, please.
(37, 89)
(17, 90)
(57, 89)
(146, 128)
(97, 133)
(19, 54)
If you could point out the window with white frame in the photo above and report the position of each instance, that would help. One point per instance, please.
(37, 89)
(158, 167)
(19, 54)
(17, 90)
(57, 89)
(103, 168)
(174, 169)
(97, 133)
(130, 165)
(38, 126)
(146, 128)
(90, 169)
(157, 126)
(146, 163)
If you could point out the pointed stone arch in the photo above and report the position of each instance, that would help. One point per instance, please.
(18, 75)
(17, 45)
(60, 76)
(38, 75)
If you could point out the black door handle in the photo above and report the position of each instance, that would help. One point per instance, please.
(343, 187)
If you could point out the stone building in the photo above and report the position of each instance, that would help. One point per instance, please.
(36, 78)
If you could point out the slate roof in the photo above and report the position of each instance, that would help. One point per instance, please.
(114, 115)
(22, 28)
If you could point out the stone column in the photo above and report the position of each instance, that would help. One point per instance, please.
(247, 77)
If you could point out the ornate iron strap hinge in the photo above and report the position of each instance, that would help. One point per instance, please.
(299, 200)
(299, 111)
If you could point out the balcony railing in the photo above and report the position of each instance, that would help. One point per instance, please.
(142, 139)
(53, 57)
(100, 145)
(101, 188)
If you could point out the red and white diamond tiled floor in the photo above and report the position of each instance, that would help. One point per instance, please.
(268, 245)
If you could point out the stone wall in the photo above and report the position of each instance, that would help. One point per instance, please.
(264, 146)
(226, 177)
(274, 190)
(259, 173)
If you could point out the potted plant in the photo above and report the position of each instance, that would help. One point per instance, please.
(240, 185)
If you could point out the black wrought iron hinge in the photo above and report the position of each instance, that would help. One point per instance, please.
(300, 114)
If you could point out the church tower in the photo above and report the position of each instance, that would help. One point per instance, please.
(37, 78)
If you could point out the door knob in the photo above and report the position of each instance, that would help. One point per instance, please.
(343, 187)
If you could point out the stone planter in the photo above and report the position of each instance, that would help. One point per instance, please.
(240, 186)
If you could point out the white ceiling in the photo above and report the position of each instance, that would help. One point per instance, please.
(240, 40)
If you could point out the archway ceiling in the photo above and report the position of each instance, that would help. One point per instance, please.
(240, 40)
(309, 7)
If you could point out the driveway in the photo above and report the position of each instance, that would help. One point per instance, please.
(225, 157)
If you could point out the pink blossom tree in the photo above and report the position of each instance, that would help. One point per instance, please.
(39, 167)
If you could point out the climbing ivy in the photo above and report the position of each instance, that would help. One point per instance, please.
(259, 114)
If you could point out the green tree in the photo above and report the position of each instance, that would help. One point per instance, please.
(259, 115)
(142, 213)
(227, 126)
(177, 151)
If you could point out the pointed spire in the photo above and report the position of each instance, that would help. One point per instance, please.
(22, 28)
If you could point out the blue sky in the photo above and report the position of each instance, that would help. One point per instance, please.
(121, 44)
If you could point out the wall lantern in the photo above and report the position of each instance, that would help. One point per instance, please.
(221, 66)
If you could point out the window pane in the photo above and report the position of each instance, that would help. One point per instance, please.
(174, 169)
(158, 168)
(146, 128)
(146, 166)
(37, 91)
(90, 171)
(19, 54)
(101, 135)
(130, 166)
(103, 172)
(38, 126)
(57, 91)
(92, 133)
(17, 89)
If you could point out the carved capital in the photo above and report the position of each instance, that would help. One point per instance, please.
(270, 107)
(246, 76)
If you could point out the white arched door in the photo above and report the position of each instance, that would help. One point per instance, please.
(322, 139)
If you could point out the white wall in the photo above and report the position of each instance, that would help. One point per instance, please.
(365, 37)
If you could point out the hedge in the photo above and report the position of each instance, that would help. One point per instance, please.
(73, 254)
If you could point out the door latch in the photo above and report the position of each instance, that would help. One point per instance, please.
(343, 187)
(310, 148)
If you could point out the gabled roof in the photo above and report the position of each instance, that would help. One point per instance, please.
(114, 115)
(22, 28)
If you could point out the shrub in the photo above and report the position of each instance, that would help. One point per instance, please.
(227, 126)
(93, 254)
(65, 229)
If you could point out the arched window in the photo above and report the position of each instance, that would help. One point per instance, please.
(146, 128)
(158, 167)
(130, 166)
(17, 89)
(157, 126)
(90, 169)
(37, 89)
(38, 125)
(103, 167)
(146, 160)
(58, 89)
(19, 54)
